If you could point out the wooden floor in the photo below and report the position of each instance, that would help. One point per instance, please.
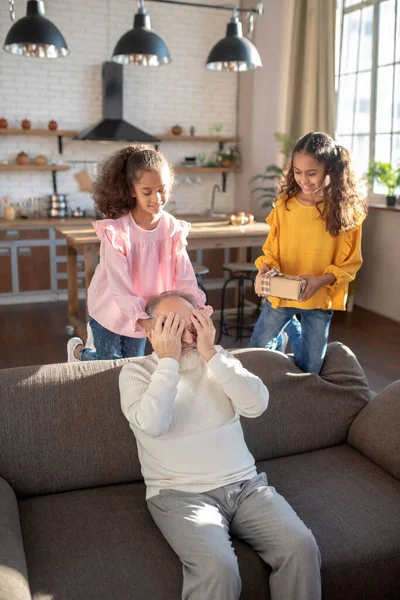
(35, 334)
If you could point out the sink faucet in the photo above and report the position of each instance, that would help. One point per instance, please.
(210, 212)
(216, 188)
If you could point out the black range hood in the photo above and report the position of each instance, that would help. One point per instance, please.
(113, 128)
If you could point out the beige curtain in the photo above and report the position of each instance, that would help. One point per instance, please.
(311, 86)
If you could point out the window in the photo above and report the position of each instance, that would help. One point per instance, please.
(368, 80)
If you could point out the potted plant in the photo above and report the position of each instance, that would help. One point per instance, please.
(386, 174)
(229, 157)
(272, 173)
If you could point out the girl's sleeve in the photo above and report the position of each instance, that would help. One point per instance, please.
(116, 266)
(271, 245)
(349, 258)
(185, 278)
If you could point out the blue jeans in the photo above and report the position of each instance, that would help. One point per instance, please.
(110, 346)
(308, 339)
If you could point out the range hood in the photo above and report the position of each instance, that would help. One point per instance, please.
(113, 128)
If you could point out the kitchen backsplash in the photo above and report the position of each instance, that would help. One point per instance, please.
(69, 91)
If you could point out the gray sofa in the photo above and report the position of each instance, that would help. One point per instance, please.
(73, 519)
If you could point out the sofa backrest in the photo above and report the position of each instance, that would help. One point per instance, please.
(376, 430)
(306, 412)
(61, 426)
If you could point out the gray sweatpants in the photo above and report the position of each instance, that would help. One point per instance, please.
(198, 528)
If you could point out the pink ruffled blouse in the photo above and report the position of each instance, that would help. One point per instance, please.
(135, 265)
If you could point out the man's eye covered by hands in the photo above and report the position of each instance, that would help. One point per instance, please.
(166, 336)
(205, 334)
(171, 332)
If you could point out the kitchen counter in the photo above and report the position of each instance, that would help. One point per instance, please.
(47, 222)
(43, 222)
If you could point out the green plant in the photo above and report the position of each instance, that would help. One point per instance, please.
(231, 153)
(273, 173)
(385, 173)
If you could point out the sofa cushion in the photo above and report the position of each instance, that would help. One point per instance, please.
(376, 430)
(306, 411)
(353, 508)
(102, 543)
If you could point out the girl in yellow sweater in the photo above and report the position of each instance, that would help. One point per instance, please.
(316, 234)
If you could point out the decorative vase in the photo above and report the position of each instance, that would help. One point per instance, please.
(3, 124)
(176, 130)
(390, 200)
(53, 125)
(25, 124)
(22, 159)
(226, 163)
(41, 160)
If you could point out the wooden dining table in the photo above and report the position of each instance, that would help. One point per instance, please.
(82, 239)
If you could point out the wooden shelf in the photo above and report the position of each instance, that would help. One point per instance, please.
(396, 207)
(195, 138)
(34, 168)
(181, 169)
(58, 132)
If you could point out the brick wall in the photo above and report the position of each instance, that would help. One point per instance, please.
(69, 91)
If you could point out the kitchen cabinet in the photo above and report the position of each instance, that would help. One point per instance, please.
(5, 270)
(34, 268)
(33, 263)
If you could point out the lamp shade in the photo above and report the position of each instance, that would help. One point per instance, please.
(34, 35)
(234, 52)
(140, 45)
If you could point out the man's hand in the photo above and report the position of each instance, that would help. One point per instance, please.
(205, 334)
(166, 337)
(315, 283)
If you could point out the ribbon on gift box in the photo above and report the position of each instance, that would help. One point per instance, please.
(263, 282)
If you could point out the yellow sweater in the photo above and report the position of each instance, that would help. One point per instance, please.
(298, 244)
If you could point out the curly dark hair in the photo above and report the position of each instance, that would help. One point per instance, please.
(118, 172)
(343, 205)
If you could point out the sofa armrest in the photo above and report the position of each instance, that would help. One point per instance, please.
(13, 571)
(376, 430)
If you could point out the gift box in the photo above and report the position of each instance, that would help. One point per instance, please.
(279, 285)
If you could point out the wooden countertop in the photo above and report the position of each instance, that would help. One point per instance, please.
(85, 234)
(80, 222)
(44, 223)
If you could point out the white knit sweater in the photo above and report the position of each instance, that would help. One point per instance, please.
(186, 423)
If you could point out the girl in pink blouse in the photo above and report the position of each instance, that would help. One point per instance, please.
(142, 253)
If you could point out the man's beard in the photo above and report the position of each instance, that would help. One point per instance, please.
(190, 360)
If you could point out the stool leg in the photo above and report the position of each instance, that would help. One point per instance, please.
(221, 319)
(201, 286)
(240, 317)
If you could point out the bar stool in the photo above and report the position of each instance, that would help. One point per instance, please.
(241, 272)
(200, 271)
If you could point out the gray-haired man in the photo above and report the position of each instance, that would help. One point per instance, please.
(183, 404)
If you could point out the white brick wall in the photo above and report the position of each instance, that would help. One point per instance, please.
(69, 91)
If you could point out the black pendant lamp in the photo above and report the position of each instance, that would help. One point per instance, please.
(34, 35)
(140, 45)
(234, 52)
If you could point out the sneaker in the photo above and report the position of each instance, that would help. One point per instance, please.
(72, 344)
(284, 342)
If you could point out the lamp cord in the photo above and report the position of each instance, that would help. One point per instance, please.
(12, 11)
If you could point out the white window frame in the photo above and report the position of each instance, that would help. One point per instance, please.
(342, 10)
